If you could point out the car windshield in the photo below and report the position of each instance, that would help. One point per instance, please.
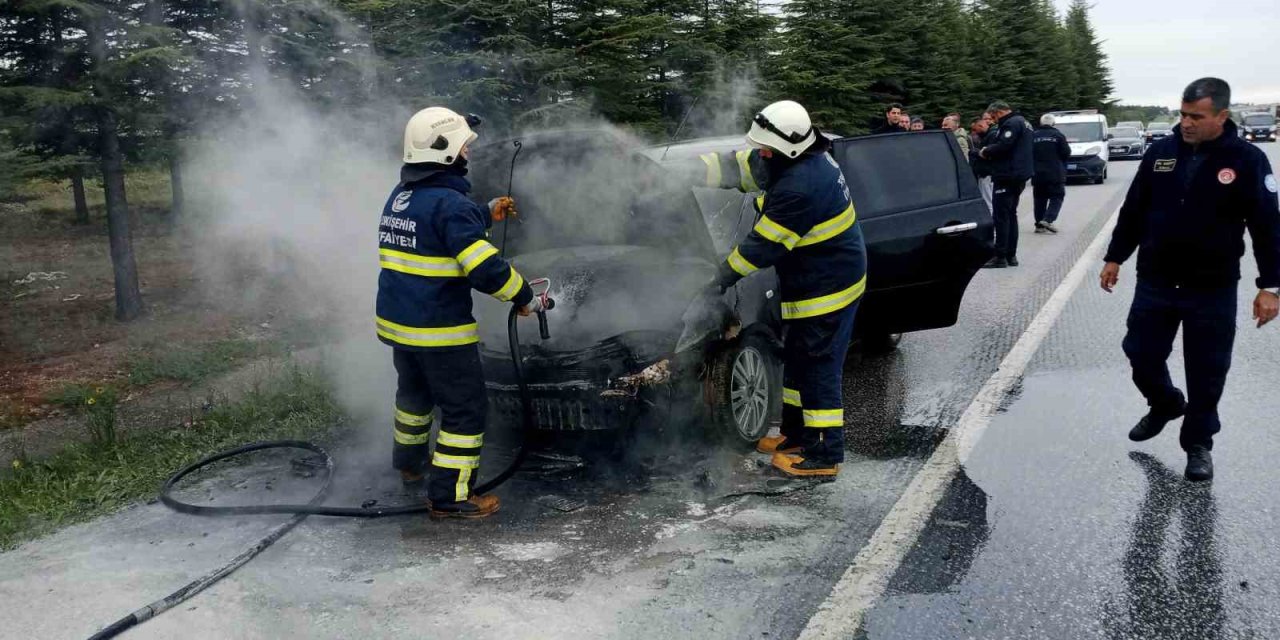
(1081, 131)
(1124, 132)
(1259, 120)
(1159, 126)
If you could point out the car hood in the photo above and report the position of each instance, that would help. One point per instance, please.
(601, 292)
(1078, 148)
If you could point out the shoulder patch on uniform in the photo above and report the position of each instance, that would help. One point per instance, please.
(1008, 134)
(1227, 176)
(1270, 182)
(402, 201)
(1165, 164)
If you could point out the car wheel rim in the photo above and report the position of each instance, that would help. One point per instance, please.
(749, 392)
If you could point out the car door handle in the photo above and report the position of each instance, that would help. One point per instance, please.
(956, 229)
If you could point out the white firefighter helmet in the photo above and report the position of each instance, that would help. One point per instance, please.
(784, 127)
(437, 134)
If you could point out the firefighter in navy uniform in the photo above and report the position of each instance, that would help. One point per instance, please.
(433, 249)
(808, 231)
(1195, 194)
(1012, 164)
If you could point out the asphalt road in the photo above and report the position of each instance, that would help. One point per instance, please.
(1050, 528)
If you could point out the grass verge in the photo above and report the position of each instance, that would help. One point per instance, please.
(85, 481)
(192, 363)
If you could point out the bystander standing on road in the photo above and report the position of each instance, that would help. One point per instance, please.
(1195, 194)
(890, 123)
(952, 123)
(1011, 166)
(980, 133)
(917, 124)
(1049, 184)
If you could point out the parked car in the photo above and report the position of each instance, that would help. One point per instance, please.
(1258, 127)
(629, 244)
(1125, 142)
(1086, 132)
(1157, 130)
(1133, 124)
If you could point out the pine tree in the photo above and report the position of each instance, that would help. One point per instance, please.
(1093, 77)
(827, 63)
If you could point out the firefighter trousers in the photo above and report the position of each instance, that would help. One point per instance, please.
(452, 380)
(812, 374)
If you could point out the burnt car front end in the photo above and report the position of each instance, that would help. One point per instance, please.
(625, 252)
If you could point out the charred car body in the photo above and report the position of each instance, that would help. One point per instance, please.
(629, 244)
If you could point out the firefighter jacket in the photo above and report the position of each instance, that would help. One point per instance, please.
(433, 248)
(807, 229)
(1010, 150)
(1187, 210)
(1051, 152)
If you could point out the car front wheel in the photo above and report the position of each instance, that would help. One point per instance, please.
(744, 390)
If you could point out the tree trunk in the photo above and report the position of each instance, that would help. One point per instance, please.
(77, 192)
(128, 296)
(175, 184)
(125, 268)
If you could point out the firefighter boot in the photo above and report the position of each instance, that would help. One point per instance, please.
(777, 444)
(798, 467)
(473, 507)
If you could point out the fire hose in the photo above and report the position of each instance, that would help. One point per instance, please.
(314, 506)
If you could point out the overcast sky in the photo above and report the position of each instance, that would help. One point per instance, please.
(1157, 47)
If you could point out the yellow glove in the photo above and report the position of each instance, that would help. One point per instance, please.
(500, 208)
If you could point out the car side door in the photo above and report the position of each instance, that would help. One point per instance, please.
(926, 226)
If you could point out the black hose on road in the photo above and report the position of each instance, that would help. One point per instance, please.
(312, 508)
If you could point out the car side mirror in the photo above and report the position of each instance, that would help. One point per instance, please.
(1110, 136)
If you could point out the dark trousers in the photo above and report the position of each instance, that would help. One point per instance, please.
(812, 376)
(1004, 208)
(1208, 321)
(1048, 201)
(452, 380)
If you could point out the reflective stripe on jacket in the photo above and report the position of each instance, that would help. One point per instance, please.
(433, 248)
(807, 230)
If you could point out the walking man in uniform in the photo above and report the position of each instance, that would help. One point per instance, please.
(1195, 194)
(808, 231)
(1011, 166)
(1049, 184)
(433, 249)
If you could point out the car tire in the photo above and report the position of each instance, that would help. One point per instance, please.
(744, 390)
(880, 344)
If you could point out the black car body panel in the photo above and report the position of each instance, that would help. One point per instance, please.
(1087, 167)
(628, 245)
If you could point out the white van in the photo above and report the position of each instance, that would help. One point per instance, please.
(1086, 132)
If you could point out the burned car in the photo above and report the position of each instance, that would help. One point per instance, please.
(629, 244)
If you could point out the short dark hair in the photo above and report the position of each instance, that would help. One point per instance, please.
(892, 106)
(1216, 89)
(998, 106)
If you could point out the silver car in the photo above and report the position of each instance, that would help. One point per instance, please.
(1125, 142)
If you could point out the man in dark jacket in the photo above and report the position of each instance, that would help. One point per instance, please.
(433, 250)
(1049, 184)
(808, 232)
(981, 134)
(1011, 166)
(890, 124)
(1195, 194)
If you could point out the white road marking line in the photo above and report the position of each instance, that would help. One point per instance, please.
(864, 582)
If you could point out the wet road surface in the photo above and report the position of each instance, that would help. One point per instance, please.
(1059, 527)
(1038, 537)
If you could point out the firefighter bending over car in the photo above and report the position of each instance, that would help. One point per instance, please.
(433, 248)
(808, 231)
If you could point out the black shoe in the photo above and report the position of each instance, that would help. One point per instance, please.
(1013, 262)
(1199, 464)
(996, 263)
(1040, 228)
(1048, 226)
(1153, 423)
(473, 507)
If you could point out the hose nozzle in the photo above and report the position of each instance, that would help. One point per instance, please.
(548, 303)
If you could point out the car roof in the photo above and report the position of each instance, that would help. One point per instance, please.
(686, 149)
(1079, 117)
